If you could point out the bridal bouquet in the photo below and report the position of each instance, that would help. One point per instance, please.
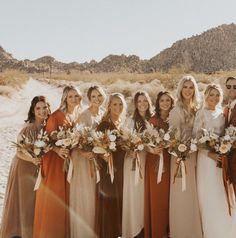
(181, 150)
(86, 142)
(36, 148)
(105, 143)
(67, 138)
(153, 137)
(131, 140)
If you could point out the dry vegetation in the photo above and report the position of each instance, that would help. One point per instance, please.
(126, 83)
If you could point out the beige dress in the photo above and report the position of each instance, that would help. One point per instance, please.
(184, 208)
(82, 188)
(18, 212)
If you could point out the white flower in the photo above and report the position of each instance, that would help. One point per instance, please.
(112, 146)
(182, 148)
(140, 147)
(112, 137)
(67, 142)
(99, 150)
(224, 148)
(59, 143)
(193, 147)
(39, 143)
(37, 151)
(166, 136)
(227, 137)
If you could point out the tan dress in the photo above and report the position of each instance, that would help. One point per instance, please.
(18, 213)
(184, 208)
(82, 188)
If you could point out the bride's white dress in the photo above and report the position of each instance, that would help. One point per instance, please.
(216, 221)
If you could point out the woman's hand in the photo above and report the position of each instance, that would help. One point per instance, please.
(213, 156)
(62, 152)
(131, 154)
(156, 150)
(36, 161)
(86, 154)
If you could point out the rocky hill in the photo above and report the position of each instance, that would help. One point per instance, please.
(208, 52)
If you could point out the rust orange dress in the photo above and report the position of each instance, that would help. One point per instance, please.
(51, 208)
(108, 218)
(156, 200)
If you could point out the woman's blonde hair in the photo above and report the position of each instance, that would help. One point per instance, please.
(208, 90)
(66, 90)
(194, 103)
(107, 114)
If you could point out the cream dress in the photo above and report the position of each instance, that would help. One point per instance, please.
(216, 221)
(133, 196)
(82, 187)
(184, 208)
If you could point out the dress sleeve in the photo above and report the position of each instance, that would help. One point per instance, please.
(198, 124)
(51, 124)
(174, 118)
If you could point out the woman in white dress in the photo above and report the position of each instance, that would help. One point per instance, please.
(133, 188)
(184, 209)
(82, 187)
(216, 221)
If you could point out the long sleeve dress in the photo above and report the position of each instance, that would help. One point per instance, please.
(133, 196)
(82, 187)
(156, 213)
(52, 197)
(185, 219)
(108, 219)
(18, 213)
(216, 221)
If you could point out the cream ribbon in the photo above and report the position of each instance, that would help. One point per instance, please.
(38, 180)
(97, 170)
(183, 171)
(70, 172)
(160, 168)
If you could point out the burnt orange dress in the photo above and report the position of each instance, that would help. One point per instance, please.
(51, 208)
(156, 200)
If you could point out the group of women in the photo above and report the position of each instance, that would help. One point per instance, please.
(125, 208)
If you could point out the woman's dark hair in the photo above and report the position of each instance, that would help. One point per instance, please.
(35, 100)
(229, 78)
(157, 105)
(139, 121)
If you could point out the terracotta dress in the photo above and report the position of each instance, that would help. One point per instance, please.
(18, 213)
(156, 212)
(133, 196)
(108, 219)
(82, 188)
(52, 198)
(231, 120)
(185, 219)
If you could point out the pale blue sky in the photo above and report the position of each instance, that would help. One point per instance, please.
(81, 30)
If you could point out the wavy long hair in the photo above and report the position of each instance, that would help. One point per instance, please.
(194, 103)
(66, 90)
(157, 104)
(139, 121)
(35, 100)
(107, 114)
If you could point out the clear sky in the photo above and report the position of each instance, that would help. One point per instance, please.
(81, 30)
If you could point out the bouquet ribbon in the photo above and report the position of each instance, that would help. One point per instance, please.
(110, 166)
(182, 167)
(137, 169)
(160, 168)
(94, 167)
(39, 176)
(70, 171)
